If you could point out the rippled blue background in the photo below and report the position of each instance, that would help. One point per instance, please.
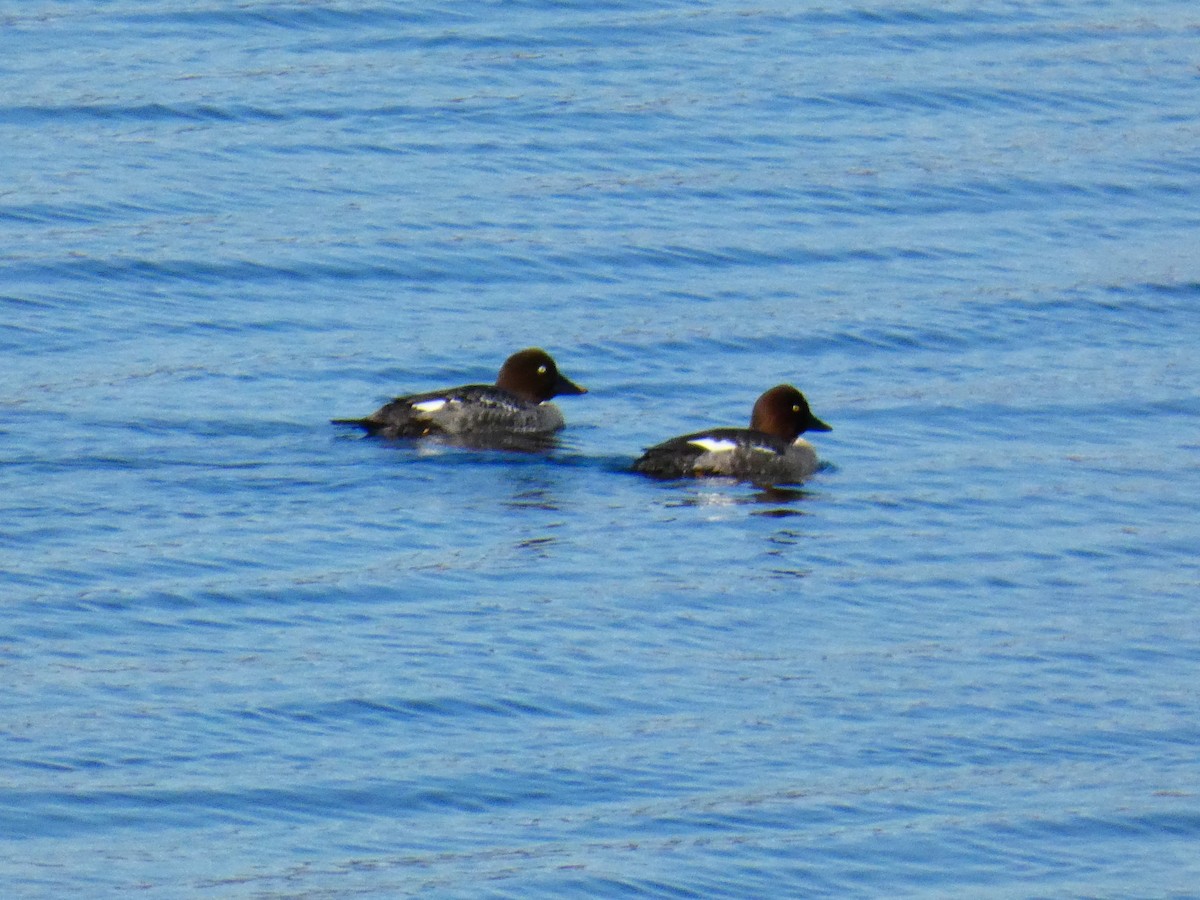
(248, 654)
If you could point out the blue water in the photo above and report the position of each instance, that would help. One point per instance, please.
(249, 654)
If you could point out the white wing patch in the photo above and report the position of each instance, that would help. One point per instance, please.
(430, 406)
(713, 445)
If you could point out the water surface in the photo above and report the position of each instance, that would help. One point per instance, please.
(251, 654)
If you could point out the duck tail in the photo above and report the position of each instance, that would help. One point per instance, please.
(368, 425)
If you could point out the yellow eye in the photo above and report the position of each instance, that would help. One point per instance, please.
(795, 409)
(541, 370)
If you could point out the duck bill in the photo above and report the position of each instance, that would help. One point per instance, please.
(566, 386)
(815, 424)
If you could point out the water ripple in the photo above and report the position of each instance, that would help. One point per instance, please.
(247, 652)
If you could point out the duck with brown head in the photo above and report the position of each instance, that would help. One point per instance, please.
(770, 451)
(516, 406)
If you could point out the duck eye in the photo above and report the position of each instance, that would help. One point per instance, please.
(796, 409)
(541, 370)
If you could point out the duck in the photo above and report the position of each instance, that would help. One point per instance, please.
(517, 406)
(770, 451)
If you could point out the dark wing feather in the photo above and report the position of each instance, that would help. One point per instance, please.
(677, 458)
(403, 417)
